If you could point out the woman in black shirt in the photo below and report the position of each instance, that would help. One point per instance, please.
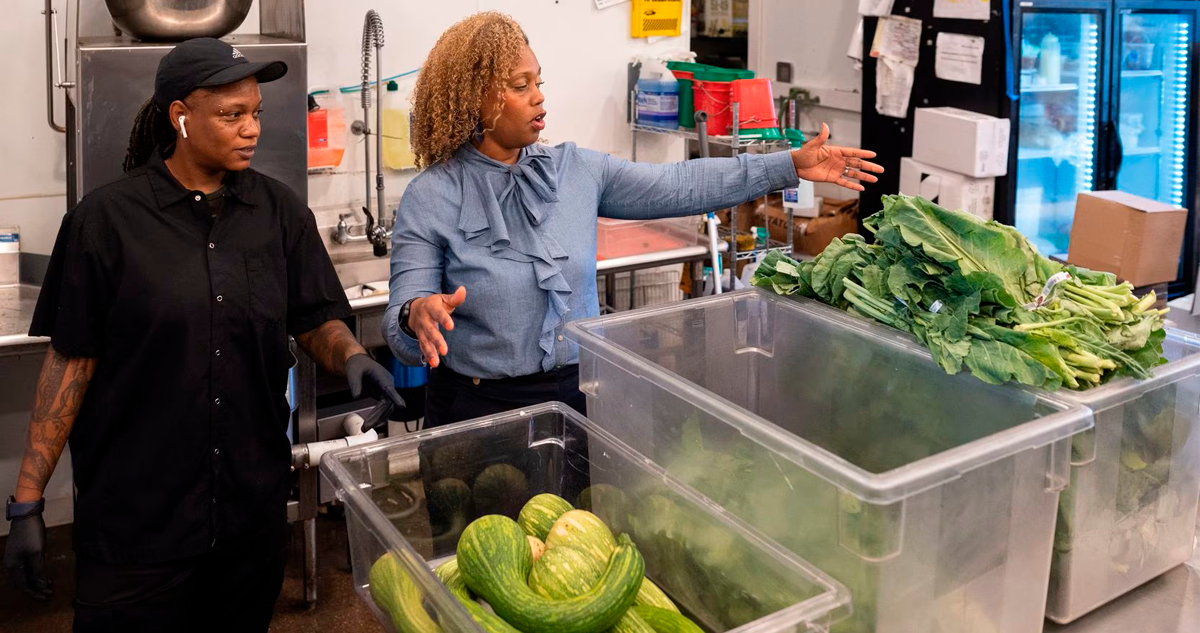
(169, 300)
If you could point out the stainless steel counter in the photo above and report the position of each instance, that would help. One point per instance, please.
(16, 313)
(1167, 604)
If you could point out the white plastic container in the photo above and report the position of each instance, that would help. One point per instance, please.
(723, 574)
(1129, 514)
(931, 497)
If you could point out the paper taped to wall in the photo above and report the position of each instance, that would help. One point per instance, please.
(899, 39)
(893, 87)
(959, 58)
(604, 4)
(963, 9)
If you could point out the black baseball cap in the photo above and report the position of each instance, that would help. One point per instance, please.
(204, 62)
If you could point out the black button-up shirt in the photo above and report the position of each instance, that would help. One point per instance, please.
(181, 441)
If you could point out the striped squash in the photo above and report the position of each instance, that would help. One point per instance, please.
(650, 595)
(665, 620)
(450, 576)
(584, 531)
(540, 513)
(495, 560)
(631, 622)
(564, 572)
(396, 595)
(536, 547)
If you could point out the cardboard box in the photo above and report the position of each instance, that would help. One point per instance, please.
(812, 235)
(950, 190)
(1136, 238)
(961, 141)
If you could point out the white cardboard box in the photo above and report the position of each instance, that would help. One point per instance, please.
(950, 190)
(961, 141)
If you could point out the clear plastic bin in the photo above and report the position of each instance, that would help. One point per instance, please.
(625, 238)
(931, 497)
(410, 497)
(1129, 514)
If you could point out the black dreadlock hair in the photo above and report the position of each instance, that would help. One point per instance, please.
(152, 130)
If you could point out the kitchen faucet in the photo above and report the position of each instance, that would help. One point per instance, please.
(378, 233)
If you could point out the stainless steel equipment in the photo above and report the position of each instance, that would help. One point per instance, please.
(116, 76)
(175, 20)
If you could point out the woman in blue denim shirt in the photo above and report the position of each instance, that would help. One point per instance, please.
(494, 249)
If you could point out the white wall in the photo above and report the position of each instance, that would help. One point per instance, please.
(583, 52)
(813, 35)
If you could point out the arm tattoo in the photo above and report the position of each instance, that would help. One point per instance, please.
(330, 345)
(58, 399)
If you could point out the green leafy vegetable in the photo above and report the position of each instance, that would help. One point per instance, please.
(979, 296)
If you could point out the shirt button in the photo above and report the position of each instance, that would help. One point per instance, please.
(475, 381)
(560, 338)
(216, 451)
(198, 197)
(214, 503)
(211, 245)
(218, 352)
(217, 401)
(220, 298)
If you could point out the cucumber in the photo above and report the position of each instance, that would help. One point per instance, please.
(495, 559)
(665, 621)
(540, 513)
(584, 531)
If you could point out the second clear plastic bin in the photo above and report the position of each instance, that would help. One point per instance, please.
(931, 497)
(411, 497)
(1130, 512)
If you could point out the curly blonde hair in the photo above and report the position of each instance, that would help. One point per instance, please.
(471, 58)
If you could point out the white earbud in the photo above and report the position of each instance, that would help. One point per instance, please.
(182, 127)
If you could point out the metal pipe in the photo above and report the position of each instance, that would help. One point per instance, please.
(379, 120)
(49, 12)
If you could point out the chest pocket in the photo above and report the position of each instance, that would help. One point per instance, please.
(267, 282)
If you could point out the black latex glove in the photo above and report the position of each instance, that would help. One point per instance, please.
(25, 557)
(368, 378)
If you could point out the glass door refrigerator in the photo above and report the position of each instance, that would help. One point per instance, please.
(1152, 79)
(1061, 55)
(1106, 91)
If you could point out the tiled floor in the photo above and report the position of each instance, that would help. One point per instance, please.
(338, 608)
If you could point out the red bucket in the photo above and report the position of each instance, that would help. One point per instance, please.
(756, 105)
(713, 98)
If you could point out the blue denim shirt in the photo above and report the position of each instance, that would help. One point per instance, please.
(522, 240)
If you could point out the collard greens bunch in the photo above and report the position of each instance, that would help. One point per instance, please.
(978, 295)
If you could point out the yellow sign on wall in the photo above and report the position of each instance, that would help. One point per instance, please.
(656, 17)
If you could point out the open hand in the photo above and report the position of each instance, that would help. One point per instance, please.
(428, 316)
(842, 166)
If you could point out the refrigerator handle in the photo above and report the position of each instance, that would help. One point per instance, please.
(1118, 153)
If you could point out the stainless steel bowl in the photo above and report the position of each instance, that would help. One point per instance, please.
(178, 19)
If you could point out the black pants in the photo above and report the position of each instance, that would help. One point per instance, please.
(452, 397)
(232, 588)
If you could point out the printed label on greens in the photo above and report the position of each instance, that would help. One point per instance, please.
(1053, 281)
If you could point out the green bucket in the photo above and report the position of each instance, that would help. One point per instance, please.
(687, 104)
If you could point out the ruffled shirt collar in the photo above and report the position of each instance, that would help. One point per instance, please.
(504, 208)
